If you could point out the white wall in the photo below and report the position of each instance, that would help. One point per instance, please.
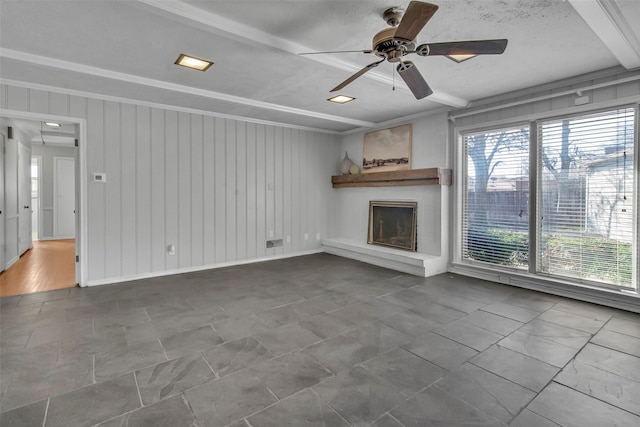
(48, 152)
(429, 149)
(213, 187)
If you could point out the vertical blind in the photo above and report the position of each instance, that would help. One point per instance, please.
(496, 197)
(586, 197)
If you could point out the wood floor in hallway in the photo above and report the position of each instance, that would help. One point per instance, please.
(49, 265)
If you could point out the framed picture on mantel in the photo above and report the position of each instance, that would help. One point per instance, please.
(387, 150)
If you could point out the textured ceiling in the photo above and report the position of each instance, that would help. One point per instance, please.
(126, 49)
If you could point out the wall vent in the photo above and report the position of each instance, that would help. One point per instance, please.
(274, 243)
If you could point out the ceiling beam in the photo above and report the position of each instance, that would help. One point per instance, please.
(159, 84)
(612, 27)
(222, 26)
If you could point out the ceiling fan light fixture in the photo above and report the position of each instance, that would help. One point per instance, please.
(193, 62)
(460, 57)
(341, 99)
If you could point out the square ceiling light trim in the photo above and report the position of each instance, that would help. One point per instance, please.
(193, 62)
(341, 99)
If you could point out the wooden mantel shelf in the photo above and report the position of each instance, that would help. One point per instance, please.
(428, 176)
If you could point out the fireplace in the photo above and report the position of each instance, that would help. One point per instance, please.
(393, 224)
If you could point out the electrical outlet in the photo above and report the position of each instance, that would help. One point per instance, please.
(317, 236)
(288, 239)
(271, 233)
(171, 249)
(306, 236)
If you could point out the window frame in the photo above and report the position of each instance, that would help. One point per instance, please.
(528, 277)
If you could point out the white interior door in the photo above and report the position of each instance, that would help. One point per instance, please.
(3, 261)
(64, 197)
(24, 199)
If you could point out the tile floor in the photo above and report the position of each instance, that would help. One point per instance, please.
(315, 340)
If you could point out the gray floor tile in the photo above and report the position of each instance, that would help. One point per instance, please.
(171, 412)
(341, 353)
(611, 388)
(457, 302)
(585, 309)
(279, 316)
(303, 409)
(585, 411)
(95, 403)
(132, 358)
(286, 338)
(235, 355)
(498, 324)
(497, 397)
(556, 333)
(404, 370)
(622, 364)
(411, 323)
(190, 341)
(530, 300)
(624, 326)
(531, 419)
(435, 407)
(359, 396)
(25, 416)
(614, 340)
(510, 311)
(326, 326)
(387, 421)
(38, 384)
(379, 336)
(469, 335)
(240, 327)
(440, 350)
(546, 351)
(574, 321)
(172, 377)
(220, 402)
(516, 367)
(438, 313)
(290, 373)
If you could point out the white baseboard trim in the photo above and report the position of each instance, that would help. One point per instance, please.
(416, 263)
(115, 280)
(611, 298)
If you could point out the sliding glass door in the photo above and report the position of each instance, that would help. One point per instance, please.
(587, 198)
(583, 227)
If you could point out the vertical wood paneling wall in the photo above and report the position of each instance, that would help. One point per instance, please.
(215, 188)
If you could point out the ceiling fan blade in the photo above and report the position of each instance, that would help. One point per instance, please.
(356, 75)
(412, 77)
(414, 19)
(460, 51)
(336, 51)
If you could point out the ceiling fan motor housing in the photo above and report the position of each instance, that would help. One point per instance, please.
(387, 45)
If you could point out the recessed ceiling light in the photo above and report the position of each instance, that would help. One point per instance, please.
(341, 99)
(53, 124)
(195, 63)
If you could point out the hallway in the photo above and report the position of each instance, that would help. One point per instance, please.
(47, 266)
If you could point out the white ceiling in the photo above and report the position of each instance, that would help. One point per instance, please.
(126, 49)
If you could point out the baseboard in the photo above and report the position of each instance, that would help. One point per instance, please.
(195, 269)
(11, 262)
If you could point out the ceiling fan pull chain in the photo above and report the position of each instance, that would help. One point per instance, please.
(393, 73)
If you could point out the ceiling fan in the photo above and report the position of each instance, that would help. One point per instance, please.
(398, 40)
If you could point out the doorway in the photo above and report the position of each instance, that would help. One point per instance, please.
(48, 204)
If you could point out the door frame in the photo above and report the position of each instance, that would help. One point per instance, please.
(81, 183)
(3, 213)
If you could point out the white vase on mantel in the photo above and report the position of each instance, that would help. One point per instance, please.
(346, 164)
